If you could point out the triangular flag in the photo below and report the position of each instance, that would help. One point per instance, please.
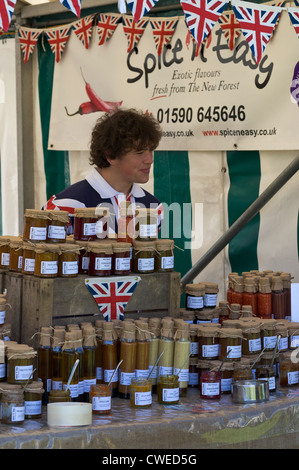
(133, 30)
(83, 29)
(28, 38)
(57, 38)
(72, 5)
(7, 8)
(139, 8)
(107, 24)
(201, 16)
(294, 17)
(257, 23)
(230, 27)
(163, 30)
(112, 294)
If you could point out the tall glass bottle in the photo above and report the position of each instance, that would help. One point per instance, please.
(89, 360)
(181, 355)
(44, 364)
(250, 296)
(278, 306)
(154, 326)
(58, 340)
(69, 355)
(286, 282)
(264, 298)
(99, 353)
(110, 356)
(80, 351)
(143, 337)
(128, 356)
(166, 344)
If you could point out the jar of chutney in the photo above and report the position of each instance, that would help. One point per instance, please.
(143, 257)
(100, 258)
(121, 264)
(57, 226)
(35, 225)
(164, 257)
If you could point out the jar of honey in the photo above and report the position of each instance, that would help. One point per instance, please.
(16, 255)
(143, 257)
(28, 262)
(164, 257)
(57, 226)
(121, 258)
(100, 258)
(33, 393)
(146, 224)
(168, 389)
(251, 333)
(46, 260)
(35, 225)
(100, 398)
(230, 344)
(13, 406)
(91, 223)
(20, 360)
(141, 393)
(68, 261)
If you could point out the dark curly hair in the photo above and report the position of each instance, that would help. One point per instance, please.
(120, 132)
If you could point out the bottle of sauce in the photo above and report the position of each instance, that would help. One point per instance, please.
(143, 337)
(110, 356)
(56, 354)
(286, 282)
(278, 305)
(166, 344)
(126, 226)
(99, 355)
(128, 356)
(89, 360)
(238, 289)
(44, 363)
(69, 355)
(250, 294)
(264, 298)
(230, 288)
(181, 355)
(154, 326)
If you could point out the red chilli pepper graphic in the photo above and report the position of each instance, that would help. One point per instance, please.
(84, 108)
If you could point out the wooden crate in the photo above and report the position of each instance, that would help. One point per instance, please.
(13, 285)
(59, 301)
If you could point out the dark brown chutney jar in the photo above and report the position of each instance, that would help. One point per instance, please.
(268, 334)
(57, 226)
(230, 344)
(143, 257)
(264, 372)
(194, 296)
(164, 256)
(68, 262)
(251, 332)
(100, 258)
(121, 263)
(35, 225)
(242, 370)
(208, 342)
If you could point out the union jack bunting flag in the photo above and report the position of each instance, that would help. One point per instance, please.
(294, 17)
(28, 38)
(201, 16)
(107, 24)
(112, 294)
(257, 23)
(133, 30)
(57, 38)
(230, 27)
(83, 29)
(139, 8)
(7, 8)
(72, 5)
(163, 30)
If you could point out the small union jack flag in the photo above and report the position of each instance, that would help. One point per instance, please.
(107, 24)
(257, 23)
(294, 17)
(83, 29)
(163, 31)
(28, 39)
(7, 8)
(57, 38)
(133, 30)
(201, 16)
(112, 294)
(230, 27)
(139, 8)
(73, 5)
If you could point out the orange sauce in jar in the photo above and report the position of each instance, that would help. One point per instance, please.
(46, 260)
(35, 225)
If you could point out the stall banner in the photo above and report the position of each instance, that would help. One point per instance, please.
(218, 99)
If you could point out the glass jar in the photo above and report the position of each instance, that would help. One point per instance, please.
(168, 389)
(146, 224)
(283, 332)
(28, 263)
(278, 306)
(33, 394)
(226, 375)
(46, 260)
(238, 288)
(250, 296)
(58, 396)
(20, 360)
(193, 373)
(194, 347)
(288, 370)
(121, 264)
(13, 406)
(164, 257)
(3, 303)
(16, 255)
(230, 344)
(194, 296)
(210, 297)
(242, 370)
(90, 221)
(100, 258)
(100, 398)
(208, 342)
(210, 384)
(154, 326)
(83, 260)
(68, 262)
(293, 330)
(264, 298)
(203, 316)
(264, 372)
(251, 332)
(143, 257)
(224, 311)
(125, 223)
(268, 334)
(57, 226)
(4, 252)
(267, 358)
(35, 225)
(141, 393)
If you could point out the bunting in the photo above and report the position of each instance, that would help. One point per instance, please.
(163, 31)
(230, 27)
(294, 17)
(201, 16)
(57, 38)
(28, 38)
(133, 31)
(107, 24)
(72, 5)
(139, 8)
(257, 23)
(7, 8)
(83, 29)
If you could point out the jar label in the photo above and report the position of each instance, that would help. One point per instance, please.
(182, 373)
(194, 348)
(146, 264)
(143, 398)
(29, 264)
(210, 300)
(102, 264)
(235, 351)
(2, 317)
(85, 262)
(17, 413)
(254, 345)
(269, 342)
(87, 383)
(49, 267)
(194, 302)
(226, 385)
(283, 344)
(210, 388)
(154, 373)
(148, 230)
(141, 373)
(193, 378)
(74, 390)
(89, 229)
(170, 394)
(294, 341)
(99, 373)
(99, 227)
(23, 372)
(56, 232)
(101, 403)
(33, 407)
(70, 267)
(5, 257)
(122, 264)
(2, 371)
(293, 377)
(211, 350)
(81, 387)
(165, 370)
(126, 377)
(20, 262)
(56, 385)
(108, 373)
(167, 262)
(38, 233)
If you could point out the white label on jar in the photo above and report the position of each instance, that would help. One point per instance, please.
(170, 394)
(85, 262)
(70, 267)
(38, 233)
(108, 373)
(2, 316)
(89, 229)
(210, 388)
(99, 227)
(293, 377)
(154, 373)
(283, 344)
(194, 302)
(87, 383)
(58, 232)
(165, 370)
(18, 413)
(49, 267)
(146, 264)
(269, 342)
(183, 375)
(193, 378)
(2, 371)
(294, 341)
(143, 398)
(74, 390)
(148, 230)
(101, 403)
(226, 385)
(210, 350)
(122, 264)
(102, 264)
(99, 373)
(141, 373)
(235, 351)
(29, 264)
(23, 372)
(194, 348)
(5, 257)
(56, 385)
(254, 344)
(167, 262)
(126, 377)
(33, 407)
(20, 262)
(210, 300)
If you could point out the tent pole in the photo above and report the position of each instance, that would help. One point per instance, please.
(247, 215)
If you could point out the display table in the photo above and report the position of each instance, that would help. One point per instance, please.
(192, 424)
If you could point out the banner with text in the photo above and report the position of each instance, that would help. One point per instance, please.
(218, 99)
